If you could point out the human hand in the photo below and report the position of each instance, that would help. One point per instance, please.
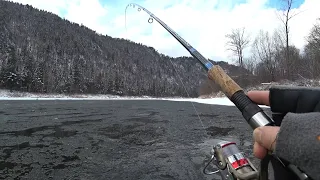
(264, 137)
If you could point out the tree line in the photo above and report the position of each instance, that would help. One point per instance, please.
(272, 57)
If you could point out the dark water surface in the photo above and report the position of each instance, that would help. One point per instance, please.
(114, 139)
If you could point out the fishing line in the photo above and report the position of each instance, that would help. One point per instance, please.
(150, 20)
(189, 97)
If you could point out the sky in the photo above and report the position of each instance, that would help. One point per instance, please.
(202, 23)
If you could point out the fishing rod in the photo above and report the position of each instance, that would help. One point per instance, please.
(251, 112)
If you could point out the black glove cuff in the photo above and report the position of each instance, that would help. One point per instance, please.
(284, 99)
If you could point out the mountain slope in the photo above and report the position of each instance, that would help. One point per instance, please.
(41, 52)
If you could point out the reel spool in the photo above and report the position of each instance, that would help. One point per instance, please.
(231, 163)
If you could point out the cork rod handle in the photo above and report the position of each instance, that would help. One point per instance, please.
(228, 86)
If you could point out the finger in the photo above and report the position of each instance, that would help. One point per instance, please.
(259, 97)
(259, 151)
(266, 136)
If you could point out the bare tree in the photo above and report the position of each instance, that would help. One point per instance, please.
(279, 42)
(314, 36)
(250, 64)
(264, 49)
(237, 42)
(312, 51)
(285, 17)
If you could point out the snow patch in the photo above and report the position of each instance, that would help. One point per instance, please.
(16, 95)
(216, 101)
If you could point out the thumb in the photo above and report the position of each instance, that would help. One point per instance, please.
(266, 136)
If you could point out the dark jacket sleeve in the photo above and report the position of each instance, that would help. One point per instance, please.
(299, 142)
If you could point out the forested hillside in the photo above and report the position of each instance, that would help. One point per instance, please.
(40, 52)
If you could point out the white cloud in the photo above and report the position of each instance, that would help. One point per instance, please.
(195, 21)
(89, 13)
